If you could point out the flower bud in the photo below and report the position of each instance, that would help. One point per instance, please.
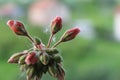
(57, 58)
(23, 67)
(37, 41)
(51, 51)
(31, 58)
(45, 68)
(30, 72)
(22, 59)
(60, 72)
(56, 25)
(17, 27)
(52, 69)
(40, 46)
(15, 57)
(44, 58)
(70, 34)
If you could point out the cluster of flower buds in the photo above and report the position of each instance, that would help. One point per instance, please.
(41, 59)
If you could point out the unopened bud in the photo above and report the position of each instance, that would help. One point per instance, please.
(15, 57)
(17, 27)
(45, 68)
(44, 58)
(51, 51)
(22, 59)
(57, 58)
(37, 41)
(70, 34)
(30, 71)
(56, 25)
(31, 58)
(52, 70)
(23, 67)
(60, 73)
(61, 69)
(41, 46)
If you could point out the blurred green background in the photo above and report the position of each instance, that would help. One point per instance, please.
(93, 55)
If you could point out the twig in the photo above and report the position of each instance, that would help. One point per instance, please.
(56, 44)
(50, 40)
(30, 38)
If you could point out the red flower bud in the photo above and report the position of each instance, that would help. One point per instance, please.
(31, 58)
(17, 27)
(56, 25)
(70, 34)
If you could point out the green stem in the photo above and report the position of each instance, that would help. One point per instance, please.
(56, 44)
(50, 40)
(30, 38)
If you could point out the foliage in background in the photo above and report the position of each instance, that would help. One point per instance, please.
(96, 59)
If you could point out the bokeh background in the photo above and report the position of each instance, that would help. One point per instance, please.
(93, 55)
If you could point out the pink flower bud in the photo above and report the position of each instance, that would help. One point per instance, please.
(31, 58)
(15, 58)
(17, 27)
(56, 25)
(70, 34)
